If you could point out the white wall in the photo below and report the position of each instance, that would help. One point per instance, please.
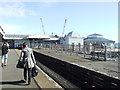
(75, 40)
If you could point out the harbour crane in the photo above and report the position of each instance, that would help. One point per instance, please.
(42, 26)
(64, 27)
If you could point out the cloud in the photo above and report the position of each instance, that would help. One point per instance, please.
(9, 28)
(14, 9)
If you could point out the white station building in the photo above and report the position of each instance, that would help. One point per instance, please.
(72, 38)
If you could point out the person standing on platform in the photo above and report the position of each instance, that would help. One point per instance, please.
(4, 56)
(28, 57)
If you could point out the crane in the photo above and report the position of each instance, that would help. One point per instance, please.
(64, 27)
(42, 26)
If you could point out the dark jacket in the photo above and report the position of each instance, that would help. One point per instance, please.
(4, 49)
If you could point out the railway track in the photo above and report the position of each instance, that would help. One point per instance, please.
(71, 76)
(65, 84)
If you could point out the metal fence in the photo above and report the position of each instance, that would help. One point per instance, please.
(71, 76)
(86, 51)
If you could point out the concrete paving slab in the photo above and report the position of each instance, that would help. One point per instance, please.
(43, 80)
(11, 76)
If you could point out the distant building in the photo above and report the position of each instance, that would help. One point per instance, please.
(54, 39)
(34, 41)
(117, 45)
(96, 41)
(15, 40)
(72, 38)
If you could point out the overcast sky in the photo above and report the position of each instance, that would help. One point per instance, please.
(83, 17)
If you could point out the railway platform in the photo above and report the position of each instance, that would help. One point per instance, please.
(12, 77)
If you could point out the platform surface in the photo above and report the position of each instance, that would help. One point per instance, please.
(12, 77)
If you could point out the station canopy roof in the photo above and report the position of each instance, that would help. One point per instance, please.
(14, 36)
(52, 39)
(38, 36)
